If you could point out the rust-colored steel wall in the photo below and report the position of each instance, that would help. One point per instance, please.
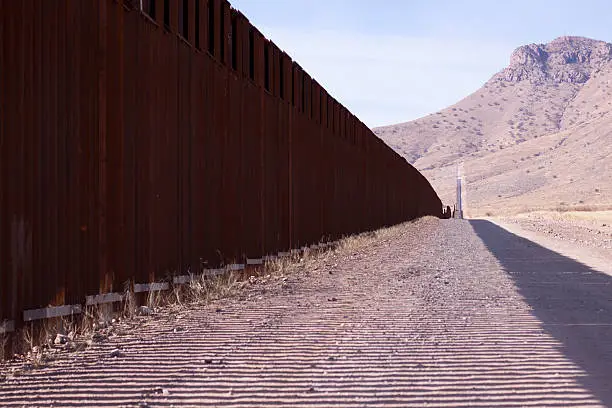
(135, 146)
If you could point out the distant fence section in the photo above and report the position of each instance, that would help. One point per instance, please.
(145, 139)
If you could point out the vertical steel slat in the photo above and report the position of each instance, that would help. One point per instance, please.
(67, 272)
(114, 162)
(159, 13)
(54, 245)
(191, 16)
(215, 10)
(226, 32)
(184, 134)
(197, 165)
(29, 146)
(128, 193)
(87, 144)
(203, 24)
(102, 248)
(4, 256)
(174, 16)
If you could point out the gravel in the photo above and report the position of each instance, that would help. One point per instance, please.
(434, 312)
(582, 232)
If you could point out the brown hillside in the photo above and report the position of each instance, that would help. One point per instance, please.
(536, 135)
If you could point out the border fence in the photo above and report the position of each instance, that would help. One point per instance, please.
(141, 140)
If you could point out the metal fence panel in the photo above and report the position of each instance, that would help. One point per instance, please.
(129, 153)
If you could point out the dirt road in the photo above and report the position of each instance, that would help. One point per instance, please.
(433, 313)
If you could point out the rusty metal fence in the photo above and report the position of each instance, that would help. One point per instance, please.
(145, 139)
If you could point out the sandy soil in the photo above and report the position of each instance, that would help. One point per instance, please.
(433, 313)
(583, 235)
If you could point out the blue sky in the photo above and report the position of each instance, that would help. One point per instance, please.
(393, 61)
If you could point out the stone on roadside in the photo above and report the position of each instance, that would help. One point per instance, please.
(144, 311)
(60, 339)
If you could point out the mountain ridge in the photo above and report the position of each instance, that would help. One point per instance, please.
(561, 90)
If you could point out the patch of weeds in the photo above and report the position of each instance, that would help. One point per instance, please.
(282, 266)
(32, 344)
(4, 338)
(178, 295)
(102, 314)
(154, 299)
(129, 302)
(210, 288)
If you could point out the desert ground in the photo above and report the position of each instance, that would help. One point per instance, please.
(444, 313)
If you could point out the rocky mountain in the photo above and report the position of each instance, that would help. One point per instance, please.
(538, 134)
(566, 59)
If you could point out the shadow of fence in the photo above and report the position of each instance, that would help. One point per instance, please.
(572, 301)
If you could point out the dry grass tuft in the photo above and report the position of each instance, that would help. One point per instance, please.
(3, 344)
(103, 314)
(178, 296)
(32, 344)
(84, 326)
(154, 299)
(35, 343)
(282, 266)
(129, 302)
(207, 289)
(353, 242)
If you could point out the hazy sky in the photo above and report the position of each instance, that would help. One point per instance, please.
(391, 61)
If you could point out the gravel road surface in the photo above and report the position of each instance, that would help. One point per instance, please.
(451, 313)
